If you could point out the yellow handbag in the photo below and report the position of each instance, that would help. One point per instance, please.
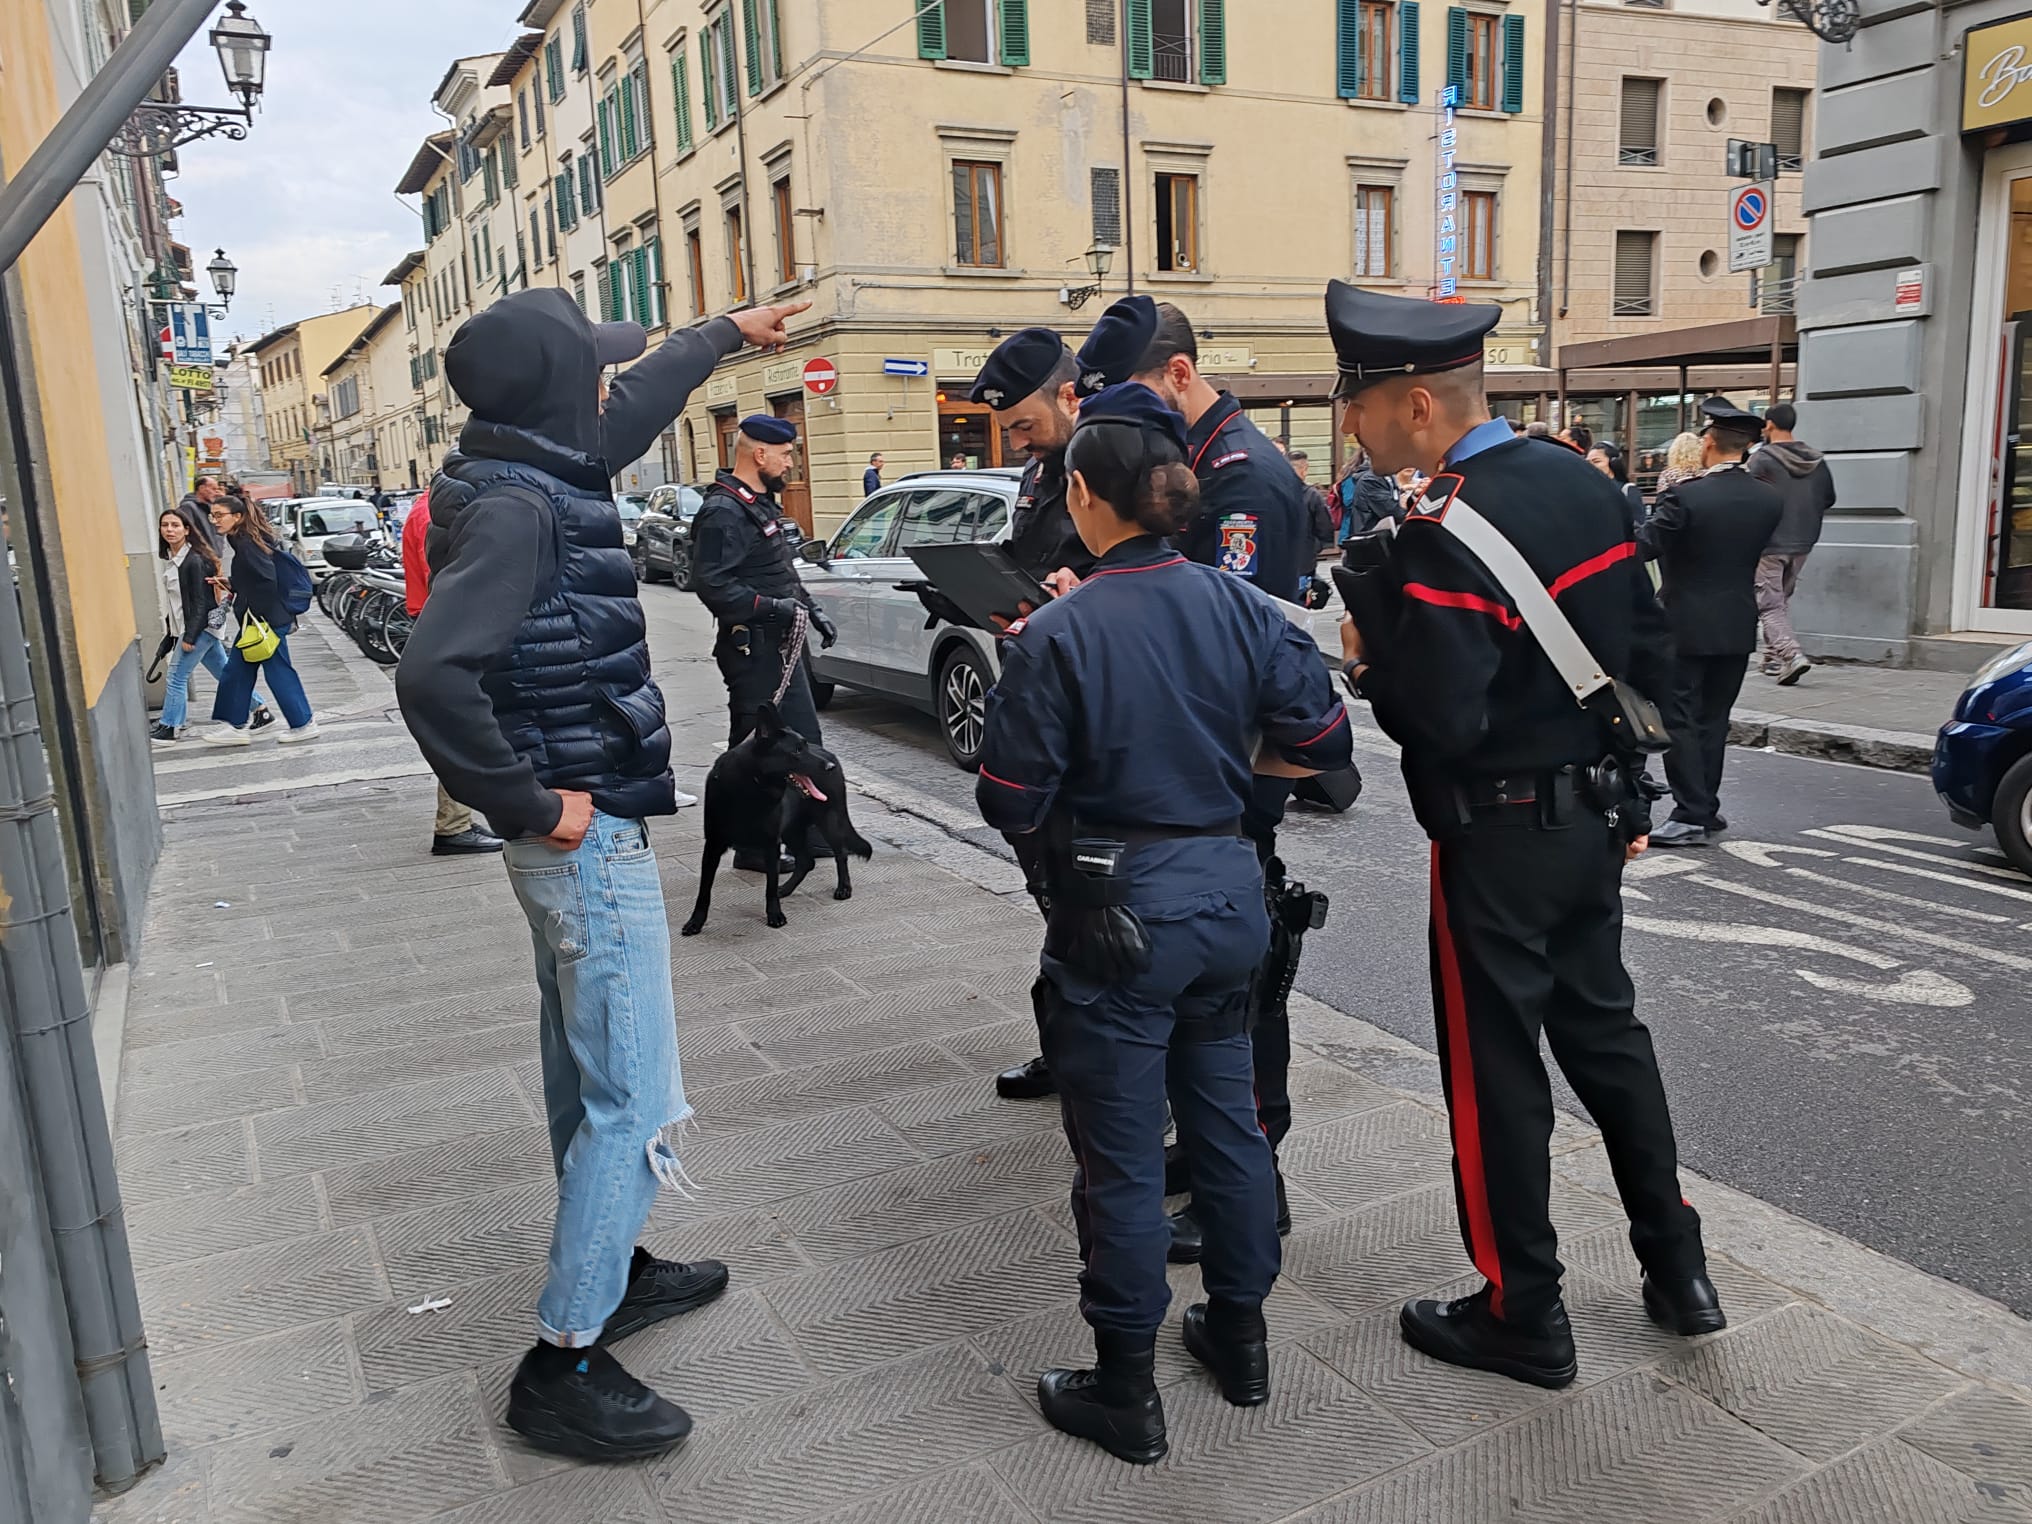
(257, 640)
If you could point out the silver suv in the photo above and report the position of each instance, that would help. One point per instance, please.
(884, 647)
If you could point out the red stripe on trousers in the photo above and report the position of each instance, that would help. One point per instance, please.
(1463, 1110)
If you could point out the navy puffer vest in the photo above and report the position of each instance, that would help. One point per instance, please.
(573, 696)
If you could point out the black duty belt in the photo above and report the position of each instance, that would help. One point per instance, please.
(1145, 836)
(1548, 797)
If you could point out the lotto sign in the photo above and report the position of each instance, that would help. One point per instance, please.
(1750, 226)
(821, 377)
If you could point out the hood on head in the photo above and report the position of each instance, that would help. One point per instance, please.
(530, 362)
(1797, 458)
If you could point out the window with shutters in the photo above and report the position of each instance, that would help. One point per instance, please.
(581, 59)
(1480, 67)
(511, 173)
(652, 281)
(578, 291)
(1637, 139)
(550, 231)
(1178, 223)
(1636, 256)
(1178, 41)
(603, 291)
(680, 89)
(1171, 40)
(521, 270)
(1101, 23)
(1374, 47)
(536, 237)
(536, 104)
(553, 68)
(977, 214)
(1788, 127)
(590, 198)
(786, 229)
(695, 263)
(522, 116)
(565, 193)
(762, 44)
(1478, 235)
(1106, 189)
(719, 69)
(1375, 231)
(737, 257)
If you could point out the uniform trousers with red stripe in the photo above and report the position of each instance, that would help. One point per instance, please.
(1526, 935)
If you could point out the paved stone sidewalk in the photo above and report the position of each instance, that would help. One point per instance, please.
(329, 1115)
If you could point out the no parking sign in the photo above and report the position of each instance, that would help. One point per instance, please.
(1750, 227)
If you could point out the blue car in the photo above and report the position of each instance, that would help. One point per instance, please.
(1982, 763)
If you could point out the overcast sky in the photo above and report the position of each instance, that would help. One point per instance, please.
(306, 206)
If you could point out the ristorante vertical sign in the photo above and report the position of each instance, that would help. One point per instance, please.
(1447, 214)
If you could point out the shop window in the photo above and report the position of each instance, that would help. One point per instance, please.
(1637, 141)
(1636, 259)
(977, 214)
(1178, 223)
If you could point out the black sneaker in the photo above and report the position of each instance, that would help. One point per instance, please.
(465, 843)
(581, 1403)
(662, 1288)
(162, 735)
(1465, 1332)
(263, 718)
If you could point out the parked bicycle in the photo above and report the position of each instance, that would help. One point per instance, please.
(364, 596)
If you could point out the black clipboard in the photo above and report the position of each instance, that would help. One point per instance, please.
(980, 579)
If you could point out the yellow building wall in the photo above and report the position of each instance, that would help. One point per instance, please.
(53, 292)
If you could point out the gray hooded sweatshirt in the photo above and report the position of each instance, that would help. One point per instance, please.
(1800, 474)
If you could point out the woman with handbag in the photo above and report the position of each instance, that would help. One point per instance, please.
(269, 588)
(189, 562)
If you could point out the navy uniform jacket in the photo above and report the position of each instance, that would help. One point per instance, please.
(1041, 533)
(1253, 519)
(1137, 700)
(1707, 535)
(741, 556)
(1459, 682)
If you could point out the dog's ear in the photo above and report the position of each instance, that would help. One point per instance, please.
(768, 721)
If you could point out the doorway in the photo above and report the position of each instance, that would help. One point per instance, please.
(1993, 544)
(968, 430)
(797, 486)
(726, 426)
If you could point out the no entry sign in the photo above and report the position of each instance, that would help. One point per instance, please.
(821, 376)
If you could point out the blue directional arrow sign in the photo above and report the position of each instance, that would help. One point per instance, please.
(905, 368)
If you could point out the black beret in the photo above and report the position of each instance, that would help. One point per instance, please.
(1376, 337)
(764, 429)
(1133, 402)
(1114, 351)
(1720, 413)
(1020, 365)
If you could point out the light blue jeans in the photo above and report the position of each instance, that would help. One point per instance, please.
(611, 1086)
(210, 655)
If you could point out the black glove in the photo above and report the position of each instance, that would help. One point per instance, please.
(827, 635)
(775, 611)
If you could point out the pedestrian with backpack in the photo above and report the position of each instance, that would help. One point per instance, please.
(270, 590)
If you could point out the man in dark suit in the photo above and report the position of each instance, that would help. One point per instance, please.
(1707, 535)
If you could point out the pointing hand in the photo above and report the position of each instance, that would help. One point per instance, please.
(764, 326)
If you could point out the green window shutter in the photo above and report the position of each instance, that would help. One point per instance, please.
(1347, 48)
(751, 29)
(1015, 33)
(513, 175)
(643, 314)
(1213, 42)
(707, 62)
(1142, 41)
(631, 132)
(656, 282)
(680, 85)
(553, 69)
(602, 276)
(1457, 48)
(1513, 64)
(1407, 51)
(578, 43)
(775, 41)
(607, 137)
(931, 32)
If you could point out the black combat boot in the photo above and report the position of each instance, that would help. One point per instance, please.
(1465, 1332)
(1026, 1082)
(1230, 1339)
(581, 1403)
(1685, 1305)
(1115, 1404)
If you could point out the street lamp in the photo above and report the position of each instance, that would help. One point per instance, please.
(157, 127)
(1833, 21)
(225, 277)
(1100, 260)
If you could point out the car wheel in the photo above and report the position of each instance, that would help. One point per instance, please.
(2012, 814)
(963, 706)
(680, 568)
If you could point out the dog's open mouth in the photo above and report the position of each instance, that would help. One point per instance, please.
(806, 787)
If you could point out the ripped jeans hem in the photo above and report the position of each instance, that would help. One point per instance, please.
(662, 1152)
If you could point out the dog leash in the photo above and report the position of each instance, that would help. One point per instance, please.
(793, 650)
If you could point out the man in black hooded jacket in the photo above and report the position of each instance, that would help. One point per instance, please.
(527, 686)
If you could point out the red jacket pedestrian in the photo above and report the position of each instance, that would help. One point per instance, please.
(415, 571)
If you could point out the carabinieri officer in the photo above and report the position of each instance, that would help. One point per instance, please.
(1124, 732)
(1253, 522)
(747, 577)
(1528, 800)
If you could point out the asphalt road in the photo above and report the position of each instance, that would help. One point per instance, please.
(1838, 992)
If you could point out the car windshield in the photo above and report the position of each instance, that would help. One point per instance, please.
(337, 520)
(689, 501)
(631, 505)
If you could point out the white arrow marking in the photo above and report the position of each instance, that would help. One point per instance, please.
(1942, 878)
(1869, 923)
(1885, 833)
(1756, 936)
(1760, 852)
(1848, 839)
(1902, 899)
(1917, 986)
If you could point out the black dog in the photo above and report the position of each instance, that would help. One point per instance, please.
(775, 787)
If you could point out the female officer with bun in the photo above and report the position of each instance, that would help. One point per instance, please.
(1128, 721)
